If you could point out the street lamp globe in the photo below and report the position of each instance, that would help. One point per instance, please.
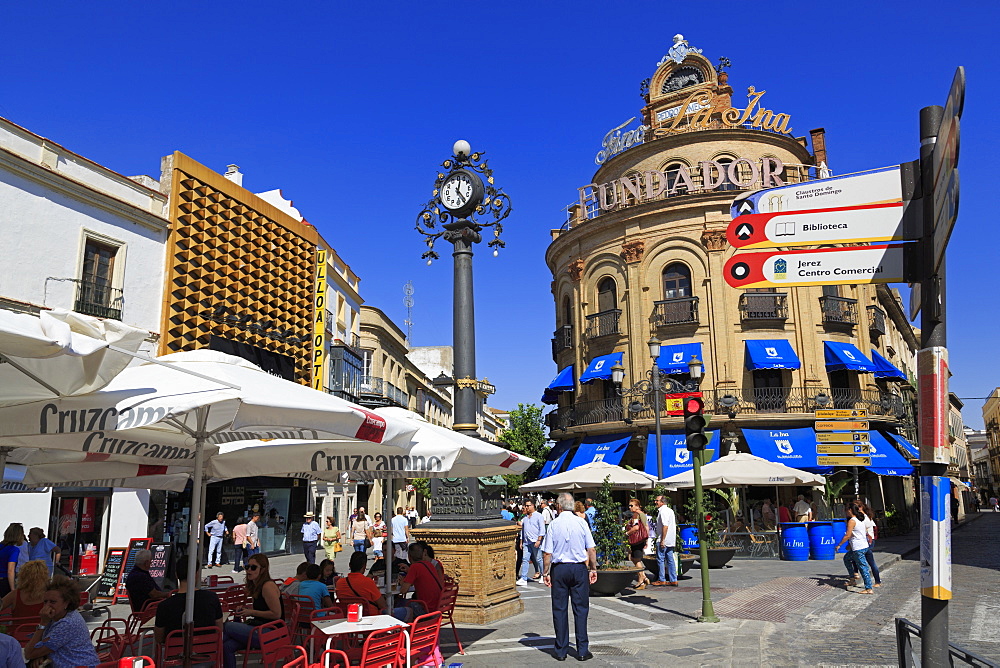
(654, 347)
(617, 373)
(694, 367)
(461, 149)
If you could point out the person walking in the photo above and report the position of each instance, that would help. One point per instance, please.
(331, 539)
(378, 536)
(802, 510)
(215, 530)
(570, 567)
(547, 513)
(637, 529)
(310, 537)
(666, 541)
(253, 537)
(412, 516)
(858, 547)
(591, 513)
(871, 531)
(995, 503)
(359, 532)
(400, 528)
(239, 545)
(532, 532)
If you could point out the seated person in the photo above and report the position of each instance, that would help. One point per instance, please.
(327, 572)
(63, 635)
(140, 584)
(426, 578)
(291, 585)
(358, 585)
(207, 609)
(399, 567)
(311, 586)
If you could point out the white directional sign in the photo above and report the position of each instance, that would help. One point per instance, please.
(880, 186)
(827, 266)
(946, 167)
(818, 227)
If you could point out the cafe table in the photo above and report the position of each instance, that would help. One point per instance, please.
(368, 624)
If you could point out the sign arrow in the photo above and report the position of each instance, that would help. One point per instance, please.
(818, 227)
(744, 231)
(824, 266)
(744, 207)
(844, 461)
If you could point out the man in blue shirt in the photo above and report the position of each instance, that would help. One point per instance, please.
(532, 531)
(310, 537)
(570, 569)
(215, 530)
(591, 513)
(41, 548)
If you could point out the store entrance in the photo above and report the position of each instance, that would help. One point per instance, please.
(76, 528)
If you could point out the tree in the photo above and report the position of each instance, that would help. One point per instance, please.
(525, 436)
(609, 534)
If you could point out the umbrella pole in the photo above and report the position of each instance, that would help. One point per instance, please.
(389, 554)
(194, 535)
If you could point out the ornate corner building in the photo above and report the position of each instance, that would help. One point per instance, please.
(641, 255)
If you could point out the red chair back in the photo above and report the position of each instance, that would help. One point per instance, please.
(273, 639)
(446, 606)
(129, 662)
(384, 648)
(206, 646)
(424, 638)
(108, 642)
(22, 633)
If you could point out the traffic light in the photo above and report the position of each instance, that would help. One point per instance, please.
(695, 423)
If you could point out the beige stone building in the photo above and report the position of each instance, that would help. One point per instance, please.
(991, 418)
(642, 254)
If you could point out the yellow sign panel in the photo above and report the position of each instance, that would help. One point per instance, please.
(843, 448)
(319, 321)
(846, 437)
(846, 425)
(840, 413)
(843, 461)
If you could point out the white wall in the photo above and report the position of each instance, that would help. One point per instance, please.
(31, 509)
(129, 516)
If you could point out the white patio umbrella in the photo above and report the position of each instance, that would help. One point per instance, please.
(590, 477)
(742, 469)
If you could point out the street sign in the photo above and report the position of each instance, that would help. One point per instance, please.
(846, 437)
(822, 425)
(818, 227)
(843, 449)
(946, 213)
(878, 186)
(825, 266)
(840, 413)
(945, 167)
(843, 461)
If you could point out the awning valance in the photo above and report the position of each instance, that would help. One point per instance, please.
(771, 354)
(886, 459)
(600, 367)
(676, 456)
(908, 448)
(674, 359)
(609, 448)
(797, 448)
(563, 382)
(886, 369)
(842, 356)
(557, 455)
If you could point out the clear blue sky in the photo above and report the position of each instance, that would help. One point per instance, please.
(350, 107)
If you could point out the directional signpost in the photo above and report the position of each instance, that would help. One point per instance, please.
(851, 425)
(844, 461)
(945, 165)
(827, 266)
(855, 449)
(878, 186)
(819, 227)
(843, 442)
(840, 413)
(844, 437)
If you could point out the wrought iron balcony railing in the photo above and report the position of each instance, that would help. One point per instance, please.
(676, 311)
(876, 320)
(99, 299)
(763, 306)
(839, 310)
(604, 323)
(562, 339)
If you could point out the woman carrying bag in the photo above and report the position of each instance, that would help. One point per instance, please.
(637, 530)
(331, 539)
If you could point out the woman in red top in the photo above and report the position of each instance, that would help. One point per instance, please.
(425, 577)
(26, 599)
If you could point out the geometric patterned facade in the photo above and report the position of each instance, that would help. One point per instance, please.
(238, 269)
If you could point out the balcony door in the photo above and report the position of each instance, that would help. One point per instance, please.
(607, 295)
(769, 391)
(96, 281)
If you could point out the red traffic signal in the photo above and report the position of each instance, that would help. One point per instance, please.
(708, 517)
(693, 406)
(695, 423)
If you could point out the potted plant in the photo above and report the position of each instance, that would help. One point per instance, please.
(718, 555)
(614, 570)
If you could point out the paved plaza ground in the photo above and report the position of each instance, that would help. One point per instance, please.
(774, 613)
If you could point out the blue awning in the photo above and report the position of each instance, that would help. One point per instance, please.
(841, 356)
(674, 359)
(908, 448)
(676, 456)
(884, 368)
(886, 459)
(557, 455)
(791, 447)
(600, 367)
(771, 354)
(609, 449)
(563, 382)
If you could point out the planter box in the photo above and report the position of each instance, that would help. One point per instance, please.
(686, 560)
(718, 557)
(610, 583)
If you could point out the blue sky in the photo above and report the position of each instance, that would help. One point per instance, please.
(350, 107)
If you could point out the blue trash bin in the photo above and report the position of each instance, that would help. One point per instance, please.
(839, 529)
(689, 536)
(821, 541)
(794, 541)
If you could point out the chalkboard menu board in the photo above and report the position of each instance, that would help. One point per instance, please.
(135, 546)
(160, 567)
(108, 583)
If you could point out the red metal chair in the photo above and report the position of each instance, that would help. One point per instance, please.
(314, 634)
(449, 595)
(381, 648)
(22, 632)
(107, 642)
(148, 611)
(206, 646)
(424, 634)
(300, 625)
(129, 662)
(234, 598)
(271, 638)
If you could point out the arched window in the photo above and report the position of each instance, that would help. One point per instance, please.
(725, 184)
(567, 312)
(607, 295)
(671, 170)
(676, 281)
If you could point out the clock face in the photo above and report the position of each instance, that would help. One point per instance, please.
(456, 191)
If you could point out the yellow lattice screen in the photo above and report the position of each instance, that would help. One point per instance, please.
(237, 268)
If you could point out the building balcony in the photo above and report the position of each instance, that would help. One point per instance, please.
(876, 320)
(839, 310)
(678, 311)
(350, 340)
(881, 406)
(379, 392)
(562, 339)
(763, 306)
(604, 323)
(98, 299)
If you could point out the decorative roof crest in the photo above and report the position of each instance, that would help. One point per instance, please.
(679, 51)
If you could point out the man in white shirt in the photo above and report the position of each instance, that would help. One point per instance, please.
(666, 540)
(547, 513)
(400, 533)
(802, 510)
